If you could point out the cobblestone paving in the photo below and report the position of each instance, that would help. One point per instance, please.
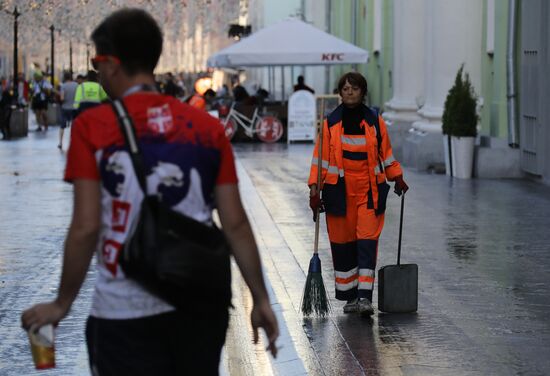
(482, 247)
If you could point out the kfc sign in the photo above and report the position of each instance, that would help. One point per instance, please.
(332, 57)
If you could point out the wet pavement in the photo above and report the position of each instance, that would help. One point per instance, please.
(482, 248)
(35, 212)
(484, 292)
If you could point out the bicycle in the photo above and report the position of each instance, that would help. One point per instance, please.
(267, 128)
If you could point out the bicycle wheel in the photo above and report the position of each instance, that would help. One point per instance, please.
(269, 129)
(230, 127)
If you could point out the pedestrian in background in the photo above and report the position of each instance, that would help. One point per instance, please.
(80, 79)
(170, 87)
(202, 101)
(66, 96)
(181, 86)
(89, 94)
(302, 86)
(357, 159)
(6, 102)
(41, 90)
(131, 331)
(22, 90)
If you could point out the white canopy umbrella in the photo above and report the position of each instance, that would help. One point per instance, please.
(288, 42)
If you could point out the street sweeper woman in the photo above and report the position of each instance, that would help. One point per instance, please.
(356, 160)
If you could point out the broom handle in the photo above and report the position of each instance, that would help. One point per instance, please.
(319, 170)
(400, 229)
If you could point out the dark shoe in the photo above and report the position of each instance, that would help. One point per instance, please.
(365, 307)
(59, 147)
(351, 306)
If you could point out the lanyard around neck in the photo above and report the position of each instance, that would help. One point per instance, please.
(140, 87)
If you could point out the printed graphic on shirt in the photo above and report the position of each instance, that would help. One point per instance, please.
(164, 174)
(109, 255)
(113, 167)
(120, 214)
(177, 183)
(159, 119)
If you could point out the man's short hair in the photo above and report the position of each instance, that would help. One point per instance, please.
(67, 76)
(209, 93)
(133, 36)
(91, 76)
(354, 79)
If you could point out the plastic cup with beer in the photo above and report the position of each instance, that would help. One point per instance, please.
(42, 346)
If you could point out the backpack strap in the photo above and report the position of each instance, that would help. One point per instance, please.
(127, 128)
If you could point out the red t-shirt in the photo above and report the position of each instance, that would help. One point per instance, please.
(178, 125)
(185, 153)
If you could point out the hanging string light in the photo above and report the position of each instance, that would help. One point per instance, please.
(188, 25)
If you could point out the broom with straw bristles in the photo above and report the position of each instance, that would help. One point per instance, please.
(315, 300)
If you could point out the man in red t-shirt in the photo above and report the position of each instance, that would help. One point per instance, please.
(189, 166)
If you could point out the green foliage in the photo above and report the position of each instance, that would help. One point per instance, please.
(459, 115)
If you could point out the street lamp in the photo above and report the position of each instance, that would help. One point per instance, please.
(52, 55)
(15, 15)
(71, 57)
(87, 57)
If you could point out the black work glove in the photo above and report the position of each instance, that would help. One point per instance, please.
(315, 203)
(400, 185)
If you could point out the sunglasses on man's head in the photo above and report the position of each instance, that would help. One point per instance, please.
(102, 58)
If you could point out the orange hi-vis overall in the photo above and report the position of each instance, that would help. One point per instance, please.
(350, 180)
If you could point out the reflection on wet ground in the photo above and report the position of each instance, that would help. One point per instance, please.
(484, 292)
(482, 247)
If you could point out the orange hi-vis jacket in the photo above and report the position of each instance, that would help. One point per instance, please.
(380, 167)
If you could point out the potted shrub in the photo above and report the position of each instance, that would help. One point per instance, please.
(460, 126)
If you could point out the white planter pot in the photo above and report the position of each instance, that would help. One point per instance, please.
(462, 156)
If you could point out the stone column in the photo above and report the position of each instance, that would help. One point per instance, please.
(452, 36)
(408, 67)
(453, 33)
(407, 71)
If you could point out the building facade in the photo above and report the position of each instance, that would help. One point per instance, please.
(414, 57)
(534, 88)
(415, 50)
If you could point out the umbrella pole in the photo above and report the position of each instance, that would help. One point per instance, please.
(282, 83)
(269, 79)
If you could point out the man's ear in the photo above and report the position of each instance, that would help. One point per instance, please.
(114, 69)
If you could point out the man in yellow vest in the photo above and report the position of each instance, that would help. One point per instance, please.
(89, 93)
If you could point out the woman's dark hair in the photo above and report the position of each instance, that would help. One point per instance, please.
(354, 79)
(133, 36)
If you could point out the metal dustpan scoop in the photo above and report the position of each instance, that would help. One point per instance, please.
(398, 284)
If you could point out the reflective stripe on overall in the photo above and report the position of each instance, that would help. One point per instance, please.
(354, 237)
